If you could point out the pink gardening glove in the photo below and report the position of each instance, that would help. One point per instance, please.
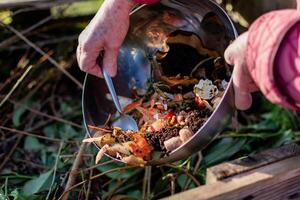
(104, 34)
(243, 84)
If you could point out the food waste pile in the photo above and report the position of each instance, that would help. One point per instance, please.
(168, 114)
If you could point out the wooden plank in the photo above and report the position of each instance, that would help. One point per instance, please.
(5, 4)
(276, 181)
(228, 169)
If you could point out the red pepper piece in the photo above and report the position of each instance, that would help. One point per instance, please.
(199, 102)
(169, 115)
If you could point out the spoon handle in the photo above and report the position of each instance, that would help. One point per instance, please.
(112, 91)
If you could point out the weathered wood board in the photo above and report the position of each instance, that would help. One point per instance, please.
(271, 175)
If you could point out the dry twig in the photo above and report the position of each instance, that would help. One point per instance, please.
(74, 171)
(6, 43)
(94, 177)
(15, 86)
(46, 115)
(39, 50)
(8, 156)
(35, 135)
(186, 172)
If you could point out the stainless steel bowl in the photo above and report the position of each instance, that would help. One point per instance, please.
(149, 27)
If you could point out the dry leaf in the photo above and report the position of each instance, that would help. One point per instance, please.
(101, 153)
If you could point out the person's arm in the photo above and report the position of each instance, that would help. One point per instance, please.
(267, 57)
(273, 53)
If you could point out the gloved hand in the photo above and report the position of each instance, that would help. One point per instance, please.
(104, 34)
(243, 83)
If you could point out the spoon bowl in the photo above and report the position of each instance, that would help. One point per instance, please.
(125, 122)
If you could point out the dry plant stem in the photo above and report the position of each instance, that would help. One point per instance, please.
(116, 188)
(197, 165)
(39, 50)
(148, 193)
(55, 169)
(172, 182)
(46, 115)
(34, 135)
(74, 155)
(45, 42)
(16, 143)
(95, 177)
(74, 170)
(8, 156)
(16, 85)
(89, 186)
(6, 43)
(98, 165)
(30, 163)
(99, 129)
(146, 183)
(185, 171)
(16, 72)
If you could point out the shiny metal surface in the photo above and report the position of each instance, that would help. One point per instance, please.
(125, 122)
(150, 26)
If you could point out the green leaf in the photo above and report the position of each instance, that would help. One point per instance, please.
(18, 112)
(2, 195)
(42, 182)
(32, 144)
(66, 131)
(16, 195)
(223, 150)
(65, 107)
(136, 194)
(160, 185)
(50, 131)
(116, 174)
(181, 180)
(284, 138)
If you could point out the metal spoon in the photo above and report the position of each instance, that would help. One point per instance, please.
(125, 122)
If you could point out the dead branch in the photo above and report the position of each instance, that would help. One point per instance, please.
(6, 43)
(46, 115)
(39, 50)
(184, 171)
(44, 42)
(15, 86)
(94, 177)
(8, 156)
(74, 171)
(35, 135)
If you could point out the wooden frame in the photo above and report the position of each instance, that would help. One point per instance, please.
(270, 175)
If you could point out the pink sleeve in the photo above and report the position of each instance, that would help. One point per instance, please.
(146, 1)
(273, 61)
(287, 65)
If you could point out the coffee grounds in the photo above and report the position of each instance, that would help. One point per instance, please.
(156, 139)
(195, 121)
